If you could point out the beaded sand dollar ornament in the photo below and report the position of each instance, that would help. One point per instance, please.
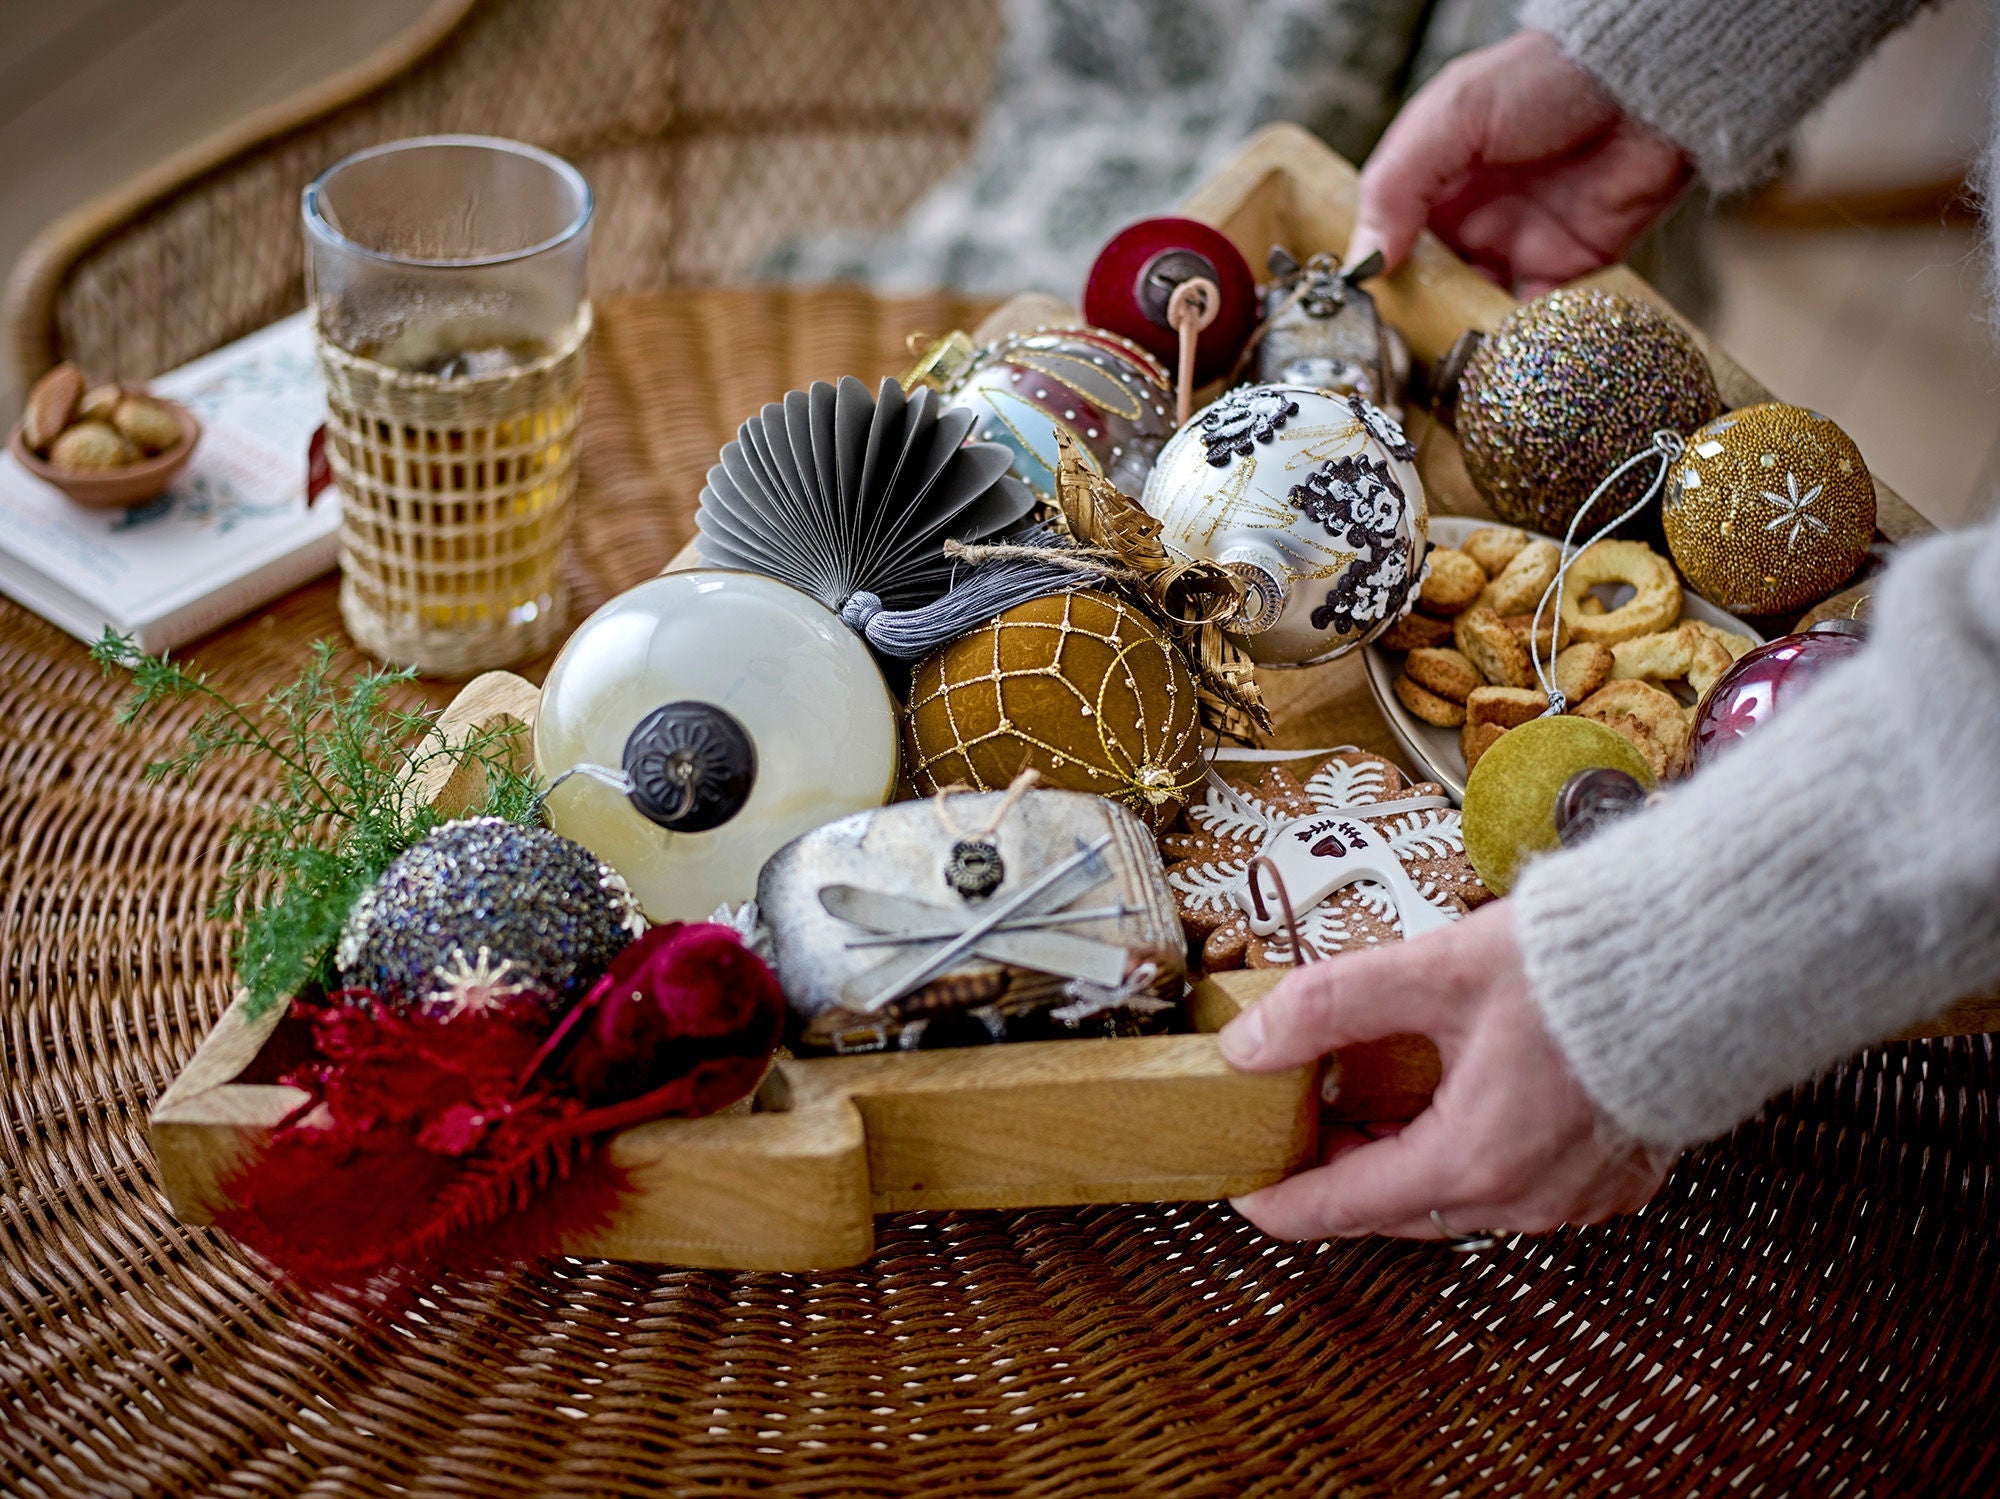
(1081, 687)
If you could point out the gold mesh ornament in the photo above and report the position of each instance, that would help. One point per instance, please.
(1078, 686)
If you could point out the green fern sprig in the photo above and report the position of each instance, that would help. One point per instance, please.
(300, 858)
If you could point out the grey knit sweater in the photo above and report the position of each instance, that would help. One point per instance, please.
(1836, 876)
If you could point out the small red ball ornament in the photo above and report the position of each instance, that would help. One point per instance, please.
(1135, 277)
(1764, 679)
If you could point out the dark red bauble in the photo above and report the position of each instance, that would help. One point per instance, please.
(1762, 681)
(1135, 275)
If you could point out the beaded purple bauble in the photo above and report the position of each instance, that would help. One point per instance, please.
(1763, 680)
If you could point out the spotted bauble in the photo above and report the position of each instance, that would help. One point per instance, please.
(485, 912)
(1080, 687)
(1313, 500)
(1768, 509)
(1568, 387)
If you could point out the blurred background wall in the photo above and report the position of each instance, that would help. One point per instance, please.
(1854, 285)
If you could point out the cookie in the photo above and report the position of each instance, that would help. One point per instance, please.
(1415, 631)
(1483, 638)
(1656, 598)
(1509, 707)
(1581, 669)
(1452, 582)
(1551, 638)
(1209, 858)
(1518, 589)
(1663, 718)
(1475, 739)
(1444, 672)
(1427, 705)
(1493, 547)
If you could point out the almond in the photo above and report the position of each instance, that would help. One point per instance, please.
(147, 423)
(98, 404)
(51, 405)
(92, 446)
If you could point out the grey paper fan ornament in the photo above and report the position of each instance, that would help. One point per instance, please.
(851, 497)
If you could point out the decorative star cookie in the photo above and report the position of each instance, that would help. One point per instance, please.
(1210, 857)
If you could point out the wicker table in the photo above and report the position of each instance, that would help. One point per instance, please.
(1805, 1309)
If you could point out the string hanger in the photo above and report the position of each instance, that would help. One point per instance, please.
(1665, 447)
(1190, 310)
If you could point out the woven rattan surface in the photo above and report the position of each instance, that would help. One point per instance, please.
(1807, 1309)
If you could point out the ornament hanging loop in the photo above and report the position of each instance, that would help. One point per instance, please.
(1190, 310)
(1253, 880)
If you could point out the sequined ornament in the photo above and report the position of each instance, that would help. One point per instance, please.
(1107, 393)
(1760, 681)
(483, 912)
(1080, 686)
(1569, 386)
(1511, 797)
(1768, 508)
(1313, 500)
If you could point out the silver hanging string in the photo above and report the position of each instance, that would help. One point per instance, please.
(1665, 447)
(617, 780)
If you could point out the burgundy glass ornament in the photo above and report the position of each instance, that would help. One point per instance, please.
(1137, 273)
(1764, 679)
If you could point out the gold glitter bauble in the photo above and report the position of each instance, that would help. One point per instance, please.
(1079, 686)
(1568, 387)
(1769, 509)
(1509, 812)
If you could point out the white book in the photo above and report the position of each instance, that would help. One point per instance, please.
(232, 532)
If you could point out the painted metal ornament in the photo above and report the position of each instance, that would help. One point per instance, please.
(1768, 508)
(1761, 681)
(1323, 329)
(1133, 281)
(700, 721)
(483, 913)
(1107, 393)
(1568, 387)
(1313, 500)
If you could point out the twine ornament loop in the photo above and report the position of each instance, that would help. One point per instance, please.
(1190, 310)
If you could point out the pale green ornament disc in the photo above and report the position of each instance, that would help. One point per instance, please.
(1510, 797)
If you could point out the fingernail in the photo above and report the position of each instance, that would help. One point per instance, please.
(1329, 1083)
(1362, 243)
(1242, 1038)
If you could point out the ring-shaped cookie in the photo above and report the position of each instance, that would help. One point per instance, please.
(1655, 603)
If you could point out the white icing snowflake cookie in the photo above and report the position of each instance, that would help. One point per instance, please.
(1219, 836)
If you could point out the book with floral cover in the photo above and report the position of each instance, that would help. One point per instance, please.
(235, 530)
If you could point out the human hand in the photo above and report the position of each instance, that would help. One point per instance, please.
(1510, 1142)
(1521, 162)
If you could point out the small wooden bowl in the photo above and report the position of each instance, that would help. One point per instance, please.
(116, 488)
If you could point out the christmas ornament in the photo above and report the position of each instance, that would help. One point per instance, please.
(1567, 388)
(483, 913)
(1322, 329)
(1351, 792)
(700, 721)
(1512, 794)
(1312, 500)
(852, 498)
(1768, 508)
(1763, 679)
(883, 943)
(1130, 291)
(1080, 686)
(1106, 393)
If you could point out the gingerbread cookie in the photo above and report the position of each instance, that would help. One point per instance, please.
(1209, 856)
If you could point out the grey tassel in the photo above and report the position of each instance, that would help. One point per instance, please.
(993, 588)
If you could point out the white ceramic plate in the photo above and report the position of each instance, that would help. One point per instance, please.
(1435, 751)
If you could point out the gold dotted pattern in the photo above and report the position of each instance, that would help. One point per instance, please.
(1769, 509)
(1078, 686)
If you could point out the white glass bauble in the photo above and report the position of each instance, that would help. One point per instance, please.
(778, 665)
(1313, 500)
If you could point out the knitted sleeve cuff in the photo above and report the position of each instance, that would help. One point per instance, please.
(1725, 79)
(1831, 880)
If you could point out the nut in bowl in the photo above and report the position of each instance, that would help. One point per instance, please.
(106, 447)
(1627, 645)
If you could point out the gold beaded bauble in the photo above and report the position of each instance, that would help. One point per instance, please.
(1081, 687)
(1568, 387)
(1768, 509)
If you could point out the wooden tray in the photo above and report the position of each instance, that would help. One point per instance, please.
(794, 1183)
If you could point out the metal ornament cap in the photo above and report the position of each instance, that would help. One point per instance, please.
(692, 766)
(1134, 277)
(1592, 798)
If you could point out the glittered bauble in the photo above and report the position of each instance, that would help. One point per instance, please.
(740, 712)
(1078, 686)
(1568, 387)
(485, 912)
(1135, 275)
(1511, 795)
(1313, 500)
(1768, 508)
(1761, 681)
(1106, 392)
